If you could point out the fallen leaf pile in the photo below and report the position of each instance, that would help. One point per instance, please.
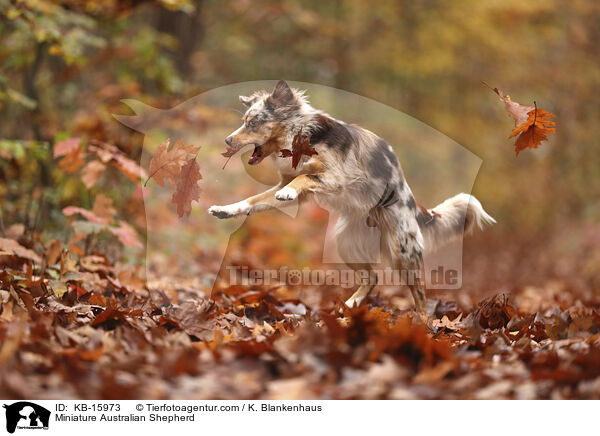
(76, 326)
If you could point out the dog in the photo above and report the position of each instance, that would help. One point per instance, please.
(357, 174)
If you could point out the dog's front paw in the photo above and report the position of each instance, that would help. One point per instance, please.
(286, 194)
(229, 211)
(219, 212)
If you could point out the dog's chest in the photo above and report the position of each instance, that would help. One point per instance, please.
(284, 166)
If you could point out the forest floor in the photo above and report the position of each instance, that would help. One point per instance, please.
(109, 335)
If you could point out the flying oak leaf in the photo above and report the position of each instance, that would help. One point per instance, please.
(167, 162)
(300, 147)
(186, 187)
(533, 131)
(516, 111)
(531, 124)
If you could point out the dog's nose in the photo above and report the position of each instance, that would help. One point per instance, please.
(228, 140)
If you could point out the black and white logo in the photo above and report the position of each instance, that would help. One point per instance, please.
(26, 415)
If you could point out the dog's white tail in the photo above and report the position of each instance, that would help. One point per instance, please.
(451, 219)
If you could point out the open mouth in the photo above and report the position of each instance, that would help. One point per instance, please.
(256, 155)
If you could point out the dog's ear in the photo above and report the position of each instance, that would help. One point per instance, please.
(248, 101)
(282, 94)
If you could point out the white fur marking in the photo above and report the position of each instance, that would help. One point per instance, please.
(230, 210)
(286, 194)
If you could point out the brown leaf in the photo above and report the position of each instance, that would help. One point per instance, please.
(88, 215)
(230, 151)
(300, 147)
(53, 250)
(11, 246)
(128, 167)
(112, 312)
(126, 234)
(110, 154)
(446, 323)
(516, 111)
(495, 312)
(167, 162)
(65, 147)
(72, 161)
(187, 189)
(103, 208)
(93, 263)
(91, 173)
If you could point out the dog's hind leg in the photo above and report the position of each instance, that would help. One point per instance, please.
(412, 264)
(417, 288)
(367, 284)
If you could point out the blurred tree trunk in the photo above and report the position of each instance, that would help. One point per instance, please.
(189, 31)
(31, 91)
(341, 48)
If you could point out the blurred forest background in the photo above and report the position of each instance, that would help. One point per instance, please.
(65, 66)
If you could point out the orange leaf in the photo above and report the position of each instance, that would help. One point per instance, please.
(533, 131)
(532, 124)
(187, 189)
(72, 161)
(64, 147)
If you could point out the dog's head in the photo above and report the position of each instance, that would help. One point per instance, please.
(266, 121)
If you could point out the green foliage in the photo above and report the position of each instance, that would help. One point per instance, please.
(65, 66)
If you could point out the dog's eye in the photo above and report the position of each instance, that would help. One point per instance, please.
(253, 123)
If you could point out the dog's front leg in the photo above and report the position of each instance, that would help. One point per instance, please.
(300, 185)
(256, 203)
(230, 210)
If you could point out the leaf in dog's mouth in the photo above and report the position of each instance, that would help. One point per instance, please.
(230, 151)
(256, 155)
(255, 158)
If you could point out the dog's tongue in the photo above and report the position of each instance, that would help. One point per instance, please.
(256, 155)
